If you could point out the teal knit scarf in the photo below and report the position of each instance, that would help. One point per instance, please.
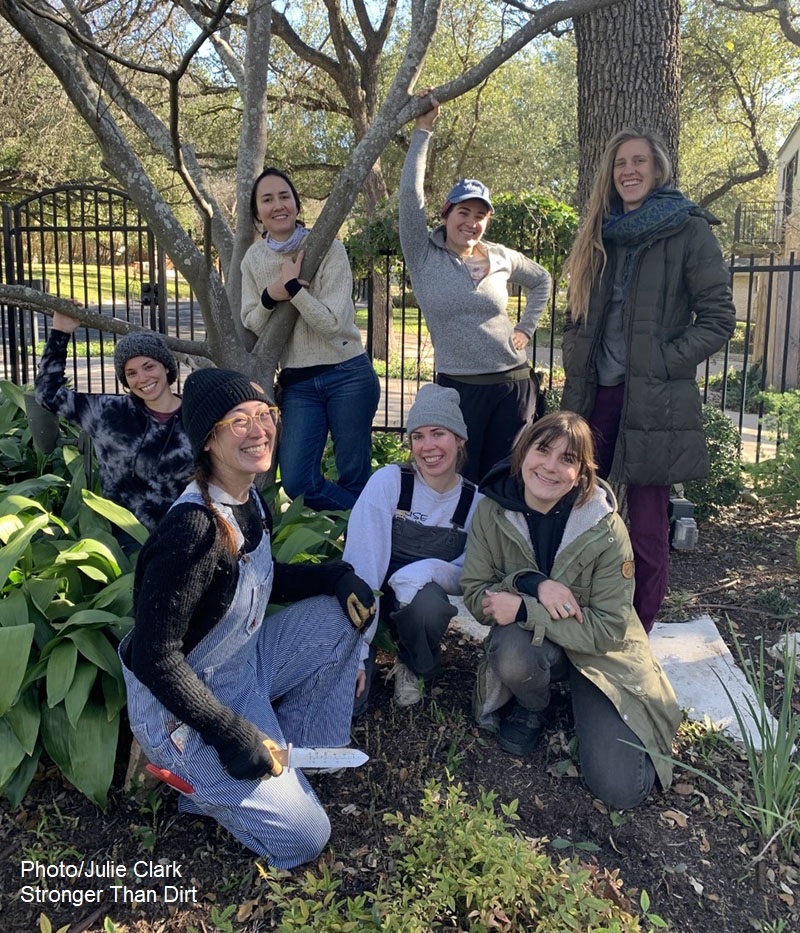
(663, 210)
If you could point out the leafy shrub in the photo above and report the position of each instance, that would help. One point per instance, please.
(724, 483)
(778, 479)
(65, 602)
(461, 866)
(733, 381)
(534, 224)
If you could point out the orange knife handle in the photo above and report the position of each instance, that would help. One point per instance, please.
(169, 778)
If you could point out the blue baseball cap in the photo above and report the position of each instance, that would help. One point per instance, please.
(466, 190)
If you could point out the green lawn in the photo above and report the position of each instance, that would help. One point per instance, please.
(88, 284)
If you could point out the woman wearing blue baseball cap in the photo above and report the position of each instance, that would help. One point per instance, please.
(461, 282)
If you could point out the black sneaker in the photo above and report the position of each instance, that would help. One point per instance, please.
(521, 731)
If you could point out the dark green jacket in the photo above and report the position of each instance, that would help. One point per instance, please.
(678, 311)
(609, 647)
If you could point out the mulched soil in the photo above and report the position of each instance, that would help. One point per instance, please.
(698, 863)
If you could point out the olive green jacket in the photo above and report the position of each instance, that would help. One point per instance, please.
(610, 647)
(678, 311)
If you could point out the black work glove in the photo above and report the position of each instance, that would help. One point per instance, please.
(528, 582)
(247, 758)
(356, 599)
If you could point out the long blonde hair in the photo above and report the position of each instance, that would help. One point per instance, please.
(587, 259)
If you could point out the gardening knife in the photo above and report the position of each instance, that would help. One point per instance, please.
(321, 759)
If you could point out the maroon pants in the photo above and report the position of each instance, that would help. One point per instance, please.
(648, 518)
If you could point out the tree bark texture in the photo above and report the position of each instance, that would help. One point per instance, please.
(628, 75)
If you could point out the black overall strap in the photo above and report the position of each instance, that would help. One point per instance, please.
(406, 487)
(459, 519)
(468, 490)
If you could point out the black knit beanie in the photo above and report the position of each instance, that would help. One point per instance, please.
(143, 343)
(208, 395)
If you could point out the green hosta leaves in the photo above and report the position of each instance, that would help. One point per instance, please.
(95, 647)
(24, 718)
(60, 671)
(65, 601)
(15, 646)
(120, 516)
(11, 753)
(78, 693)
(86, 753)
(17, 544)
(14, 609)
(18, 786)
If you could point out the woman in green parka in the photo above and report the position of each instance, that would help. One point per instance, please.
(649, 300)
(550, 566)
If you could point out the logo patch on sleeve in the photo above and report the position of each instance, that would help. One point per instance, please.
(627, 569)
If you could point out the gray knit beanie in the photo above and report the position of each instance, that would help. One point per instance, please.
(436, 406)
(208, 395)
(143, 343)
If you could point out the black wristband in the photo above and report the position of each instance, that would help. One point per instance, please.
(267, 300)
(293, 287)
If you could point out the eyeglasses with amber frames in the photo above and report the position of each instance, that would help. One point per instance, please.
(242, 424)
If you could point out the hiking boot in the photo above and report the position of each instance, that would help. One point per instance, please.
(521, 731)
(408, 687)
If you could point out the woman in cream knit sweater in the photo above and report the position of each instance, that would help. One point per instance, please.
(326, 380)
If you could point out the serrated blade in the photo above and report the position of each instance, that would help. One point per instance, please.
(323, 758)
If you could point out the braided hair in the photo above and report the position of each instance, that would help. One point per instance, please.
(202, 476)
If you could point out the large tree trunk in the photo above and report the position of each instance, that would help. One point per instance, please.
(628, 75)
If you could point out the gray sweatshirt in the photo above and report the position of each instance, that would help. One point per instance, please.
(469, 324)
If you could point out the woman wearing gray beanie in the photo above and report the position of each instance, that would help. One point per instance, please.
(143, 454)
(406, 537)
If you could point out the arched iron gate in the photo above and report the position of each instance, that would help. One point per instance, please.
(87, 243)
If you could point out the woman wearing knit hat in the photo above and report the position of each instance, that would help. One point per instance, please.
(213, 686)
(461, 282)
(142, 450)
(406, 536)
(327, 383)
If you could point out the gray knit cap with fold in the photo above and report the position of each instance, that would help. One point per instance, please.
(143, 343)
(437, 406)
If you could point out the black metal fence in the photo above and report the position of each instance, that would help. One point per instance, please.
(91, 244)
(759, 224)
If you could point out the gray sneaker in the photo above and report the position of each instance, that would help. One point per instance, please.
(408, 688)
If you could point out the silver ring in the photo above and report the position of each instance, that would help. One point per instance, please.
(567, 607)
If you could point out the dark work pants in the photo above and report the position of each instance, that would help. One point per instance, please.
(420, 627)
(494, 415)
(619, 774)
(648, 516)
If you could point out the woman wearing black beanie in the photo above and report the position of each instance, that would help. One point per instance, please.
(213, 686)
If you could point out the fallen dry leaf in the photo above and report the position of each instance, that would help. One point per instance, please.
(697, 887)
(677, 817)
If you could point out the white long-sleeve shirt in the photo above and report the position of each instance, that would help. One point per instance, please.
(369, 536)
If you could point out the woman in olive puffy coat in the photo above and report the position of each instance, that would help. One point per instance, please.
(649, 300)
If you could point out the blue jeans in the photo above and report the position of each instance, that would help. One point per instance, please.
(342, 400)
